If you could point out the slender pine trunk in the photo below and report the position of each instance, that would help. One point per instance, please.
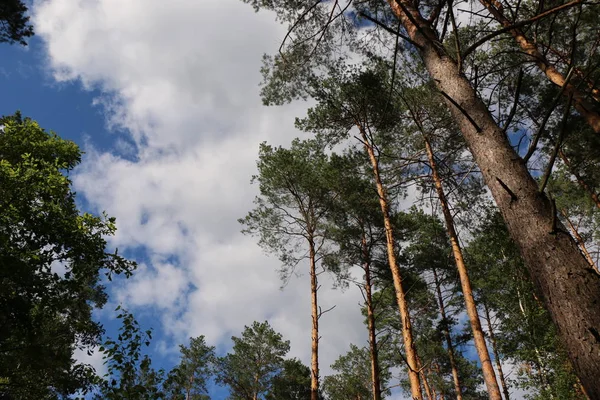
(446, 332)
(496, 354)
(530, 48)
(373, 351)
(425, 380)
(489, 375)
(570, 287)
(407, 334)
(314, 362)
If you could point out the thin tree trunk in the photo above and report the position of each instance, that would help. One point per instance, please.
(446, 332)
(582, 389)
(496, 354)
(579, 241)
(489, 375)
(375, 375)
(594, 91)
(439, 371)
(428, 391)
(579, 99)
(256, 379)
(188, 390)
(407, 335)
(579, 178)
(570, 287)
(314, 362)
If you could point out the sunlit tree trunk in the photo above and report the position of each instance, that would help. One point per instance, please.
(446, 332)
(489, 375)
(530, 48)
(314, 360)
(571, 288)
(496, 354)
(428, 390)
(407, 334)
(375, 375)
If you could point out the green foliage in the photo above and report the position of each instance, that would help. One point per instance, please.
(256, 359)
(292, 383)
(189, 379)
(352, 379)
(46, 313)
(14, 25)
(130, 374)
(525, 332)
(294, 199)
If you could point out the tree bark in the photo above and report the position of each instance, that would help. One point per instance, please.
(407, 335)
(446, 332)
(496, 354)
(579, 99)
(570, 287)
(428, 391)
(375, 374)
(580, 241)
(579, 178)
(489, 375)
(314, 362)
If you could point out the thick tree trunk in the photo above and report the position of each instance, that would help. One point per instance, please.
(407, 335)
(478, 336)
(579, 99)
(571, 288)
(496, 354)
(580, 241)
(314, 362)
(375, 375)
(446, 332)
(580, 179)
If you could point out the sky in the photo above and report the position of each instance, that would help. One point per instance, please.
(163, 97)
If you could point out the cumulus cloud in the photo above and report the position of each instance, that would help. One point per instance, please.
(179, 80)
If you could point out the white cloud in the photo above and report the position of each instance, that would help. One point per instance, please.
(94, 359)
(181, 79)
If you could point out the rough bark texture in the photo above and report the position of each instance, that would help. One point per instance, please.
(375, 375)
(496, 354)
(446, 332)
(489, 375)
(579, 99)
(571, 288)
(409, 345)
(314, 360)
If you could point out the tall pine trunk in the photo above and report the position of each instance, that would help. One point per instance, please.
(428, 390)
(496, 354)
(375, 374)
(407, 334)
(571, 288)
(530, 48)
(314, 361)
(489, 375)
(446, 332)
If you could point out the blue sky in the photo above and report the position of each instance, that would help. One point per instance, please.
(165, 103)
